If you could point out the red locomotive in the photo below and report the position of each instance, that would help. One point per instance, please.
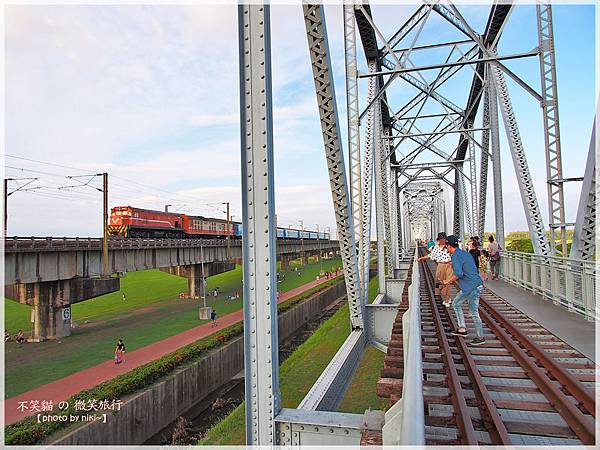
(127, 221)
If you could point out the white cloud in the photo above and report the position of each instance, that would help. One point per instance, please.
(206, 120)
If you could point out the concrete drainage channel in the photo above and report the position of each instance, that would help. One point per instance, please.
(189, 388)
(191, 426)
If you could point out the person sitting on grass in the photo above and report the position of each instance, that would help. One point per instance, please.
(20, 337)
(6, 336)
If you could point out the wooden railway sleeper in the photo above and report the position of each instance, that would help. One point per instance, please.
(489, 412)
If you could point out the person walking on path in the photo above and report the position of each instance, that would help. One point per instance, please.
(440, 255)
(213, 318)
(124, 297)
(471, 285)
(120, 352)
(494, 251)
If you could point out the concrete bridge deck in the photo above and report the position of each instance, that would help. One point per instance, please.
(33, 260)
(50, 274)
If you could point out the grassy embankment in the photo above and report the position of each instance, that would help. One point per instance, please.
(152, 312)
(297, 375)
(29, 431)
(300, 371)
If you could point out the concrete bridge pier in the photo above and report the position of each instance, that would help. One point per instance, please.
(193, 273)
(285, 263)
(52, 300)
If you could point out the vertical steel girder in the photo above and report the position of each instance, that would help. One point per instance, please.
(380, 188)
(584, 235)
(485, 143)
(353, 124)
(386, 198)
(394, 244)
(259, 236)
(496, 165)
(402, 249)
(314, 20)
(457, 216)
(473, 184)
(368, 182)
(395, 219)
(464, 213)
(530, 203)
(556, 201)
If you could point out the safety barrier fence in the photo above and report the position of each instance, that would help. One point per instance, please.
(568, 282)
(405, 421)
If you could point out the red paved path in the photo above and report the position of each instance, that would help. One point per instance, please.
(85, 379)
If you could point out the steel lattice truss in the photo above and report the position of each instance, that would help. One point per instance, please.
(421, 113)
(424, 208)
(430, 92)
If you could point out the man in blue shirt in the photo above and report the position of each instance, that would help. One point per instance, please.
(471, 285)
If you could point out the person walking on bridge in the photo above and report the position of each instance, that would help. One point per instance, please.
(494, 251)
(471, 285)
(440, 255)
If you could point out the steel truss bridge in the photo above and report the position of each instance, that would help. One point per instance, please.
(404, 154)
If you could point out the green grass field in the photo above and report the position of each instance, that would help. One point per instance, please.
(145, 288)
(373, 288)
(152, 312)
(297, 375)
(362, 392)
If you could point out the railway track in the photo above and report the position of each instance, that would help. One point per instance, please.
(524, 386)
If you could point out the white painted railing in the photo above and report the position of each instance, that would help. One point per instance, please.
(405, 421)
(568, 282)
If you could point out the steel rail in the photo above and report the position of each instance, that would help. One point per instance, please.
(464, 420)
(496, 427)
(576, 420)
(575, 388)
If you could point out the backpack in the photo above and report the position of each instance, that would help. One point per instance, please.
(496, 256)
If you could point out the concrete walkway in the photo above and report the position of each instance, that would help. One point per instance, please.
(64, 388)
(572, 328)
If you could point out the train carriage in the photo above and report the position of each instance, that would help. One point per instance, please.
(199, 226)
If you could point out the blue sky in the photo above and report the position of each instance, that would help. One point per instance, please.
(150, 94)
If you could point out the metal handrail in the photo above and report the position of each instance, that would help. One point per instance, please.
(564, 281)
(546, 258)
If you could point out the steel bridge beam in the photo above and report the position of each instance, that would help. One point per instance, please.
(556, 200)
(584, 236)
(496, 21)
(314, 20)
(258, 211)
(368, 185)
(526, 188)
